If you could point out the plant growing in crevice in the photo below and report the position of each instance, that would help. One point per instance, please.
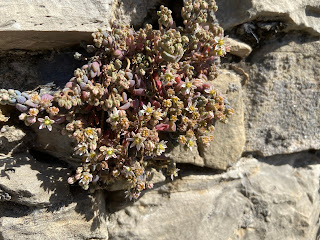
(136, 85)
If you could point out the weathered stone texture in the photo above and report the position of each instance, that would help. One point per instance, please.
(32, 183)
(274, 196)
(283, 93)
(238, 48)
(48, 24)
(302, 15)
(229, 139)
(272, 199)
(83, 218)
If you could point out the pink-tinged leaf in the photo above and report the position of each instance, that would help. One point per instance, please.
(125, 106)
(138, 81)
(31, 119)
(156, 104)
(92, 74)
(178, 87)
(132, 83)
(124, 97)
(95, 67)
(46, 97)
(58, 119)
(139, 92)
(118, 53)
(162, 127)
(85, 95)
(69, 84)
(206, 85)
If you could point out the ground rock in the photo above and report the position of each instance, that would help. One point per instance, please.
(300, 15)
(238, 48)
(272, 199)
(229, 139)
(11, 138)
(134, 12)
(282, 104)
(83, 218)
(25, 181)
(46, 25)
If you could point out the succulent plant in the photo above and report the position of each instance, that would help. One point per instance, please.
(136, 85)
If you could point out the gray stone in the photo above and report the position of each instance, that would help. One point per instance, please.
(282, 100)
(134, 12)
(11, 138)
(48, 25)
(33, 183)
(84, 218)
(229, 138)
(272, 199)
(302, 15)
(56, 144)
(238, 48)
(45, 24)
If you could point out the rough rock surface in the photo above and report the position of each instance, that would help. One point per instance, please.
(82, 218)
(229, 139)
(47, 25)
(268, 199)
(239, 48)
(10, 138)
(272, 193)
(302, 15)
(32, 183)
(283, 93)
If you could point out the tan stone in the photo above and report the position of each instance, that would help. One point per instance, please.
(33, 184)
(282, 97)
(229, 138)
(238, 48)
(84, 218)
(253, 200)
(301, 15)
(50, 24)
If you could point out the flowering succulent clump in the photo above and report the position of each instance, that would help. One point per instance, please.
(137, 85)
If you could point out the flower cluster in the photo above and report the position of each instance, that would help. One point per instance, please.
(137, 86)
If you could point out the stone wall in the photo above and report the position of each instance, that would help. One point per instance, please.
(258, 180)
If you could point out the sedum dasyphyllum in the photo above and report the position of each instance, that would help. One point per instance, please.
(136, 88)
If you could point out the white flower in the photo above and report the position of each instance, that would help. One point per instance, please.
(45, 123)
(137, 140)
(188, 86)
(221, 49)
(219, 40)
(81, 148)
(90, 133)
(169, 78)
(147, 109)
(191, 108)
(109, 152)
(190, 144)
(157, 114)
(211, 91)
(85, 178)
(161, 147)
(91, 156)
(114, 116)
(174, 173)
